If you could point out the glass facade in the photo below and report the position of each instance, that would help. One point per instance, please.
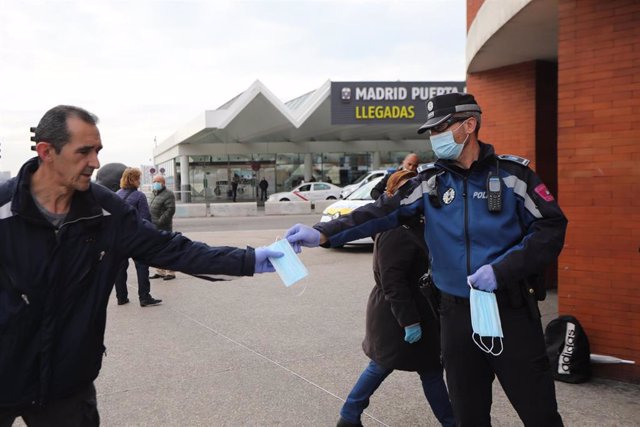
(211, 176)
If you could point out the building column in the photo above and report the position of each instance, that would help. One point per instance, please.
(308, 167)
(185, 185)
(375, 164)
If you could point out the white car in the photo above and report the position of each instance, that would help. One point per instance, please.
(308, 191)
(359, 197)
(362, 180)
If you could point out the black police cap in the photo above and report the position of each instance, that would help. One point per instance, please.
(441, 107)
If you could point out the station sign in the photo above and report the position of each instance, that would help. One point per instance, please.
(377, 103)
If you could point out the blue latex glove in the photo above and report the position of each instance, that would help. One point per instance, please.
(484, 279)
(412, 333)
(263, 265)
(302, 235)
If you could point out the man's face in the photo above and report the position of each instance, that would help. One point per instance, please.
(410, 163)
(77, 160)
(159, 179)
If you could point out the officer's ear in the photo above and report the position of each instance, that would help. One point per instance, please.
(470, 125)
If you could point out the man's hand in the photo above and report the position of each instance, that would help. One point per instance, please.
(484, 279)
(263, 265)
(302, 235)
(412, 333)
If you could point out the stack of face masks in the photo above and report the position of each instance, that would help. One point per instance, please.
(289, 267)
(485, 320)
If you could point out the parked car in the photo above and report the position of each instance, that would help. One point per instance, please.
(362, 180)
(308, 191)
(359, 197)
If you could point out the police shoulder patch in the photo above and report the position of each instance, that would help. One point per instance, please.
(515, 159)
(426, 166)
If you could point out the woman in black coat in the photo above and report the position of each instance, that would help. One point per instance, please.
(401, 333)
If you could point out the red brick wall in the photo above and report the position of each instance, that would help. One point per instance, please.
(472, 10)
(599, 174)
(598, 164)
(507, 98)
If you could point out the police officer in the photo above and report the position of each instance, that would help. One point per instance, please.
(490, 223)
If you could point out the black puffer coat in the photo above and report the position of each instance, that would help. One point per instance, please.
(399, 260)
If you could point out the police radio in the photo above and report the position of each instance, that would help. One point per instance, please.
(494, 193)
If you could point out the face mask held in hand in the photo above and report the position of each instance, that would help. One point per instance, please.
(289, 266)
(485, 320)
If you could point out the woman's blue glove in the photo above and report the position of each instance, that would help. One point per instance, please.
(302, 235)
(484, 279)
(412, 333)
(263, 265)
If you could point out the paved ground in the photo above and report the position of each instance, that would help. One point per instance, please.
(250, 352)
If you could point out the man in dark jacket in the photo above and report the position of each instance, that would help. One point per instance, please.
(162, 208)
(63, 240)
(410, 163)
(491, 225)
(401, 330)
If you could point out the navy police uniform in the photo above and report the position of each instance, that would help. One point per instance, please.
(519, 242)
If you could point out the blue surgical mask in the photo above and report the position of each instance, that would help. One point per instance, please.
(156, 186)
(288, 266)
(445, 146)
(485, 320)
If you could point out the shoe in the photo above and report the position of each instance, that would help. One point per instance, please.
(169, 277)
(123, 301)
(150, 301)
(344, 423)
(155, 276)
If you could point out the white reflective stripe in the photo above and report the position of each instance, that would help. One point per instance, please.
(105, 212)
(416, 194)
(520, 188)
(5, 210)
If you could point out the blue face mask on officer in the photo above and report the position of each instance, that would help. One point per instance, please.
(445, 146)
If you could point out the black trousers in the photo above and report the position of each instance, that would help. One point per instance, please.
(79, 410)
(523, 368)
(144, 285)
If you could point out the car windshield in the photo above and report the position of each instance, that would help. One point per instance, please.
(363, 193)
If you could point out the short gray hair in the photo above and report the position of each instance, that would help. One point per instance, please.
(53, 125)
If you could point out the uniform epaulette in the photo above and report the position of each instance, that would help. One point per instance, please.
(516, 159)
(426, 166)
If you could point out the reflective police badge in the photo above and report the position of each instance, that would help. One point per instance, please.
(448, 196)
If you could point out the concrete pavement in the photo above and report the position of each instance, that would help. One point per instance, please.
(251, 352)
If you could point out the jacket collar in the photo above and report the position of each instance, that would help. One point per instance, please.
(83, 203)
(487, 153)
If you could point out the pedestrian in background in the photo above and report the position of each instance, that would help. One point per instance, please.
(410, 163)
(129, 184)
(401, 330)
(162, 209)
(263, 188)
(492, 228)
(63, 239)
(109, 175)
(234, 186)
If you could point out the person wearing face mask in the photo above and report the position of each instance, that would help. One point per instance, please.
(492, 228)
(162, 208)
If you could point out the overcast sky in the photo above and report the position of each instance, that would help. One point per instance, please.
(147, 68)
